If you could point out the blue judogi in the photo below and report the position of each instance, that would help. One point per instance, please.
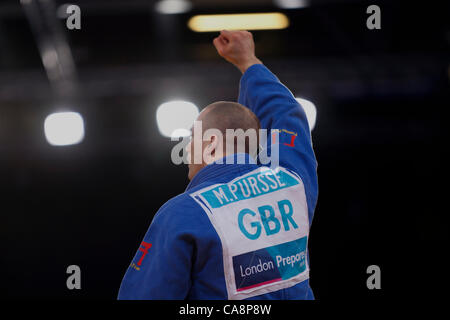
(239, 231)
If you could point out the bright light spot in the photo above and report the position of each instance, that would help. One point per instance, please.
(310, 110)
(175, 118)
(49, 58)
(291, 4)
(173, 6)
(61, 11)
(240, 21)
(64, 128)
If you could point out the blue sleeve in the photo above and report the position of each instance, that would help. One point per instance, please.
(161, 268)
(276, 107)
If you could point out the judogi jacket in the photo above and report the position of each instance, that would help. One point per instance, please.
(239, 231)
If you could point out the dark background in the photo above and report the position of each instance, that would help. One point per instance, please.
(379, 139)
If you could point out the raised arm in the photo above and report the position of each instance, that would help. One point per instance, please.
(274, 105)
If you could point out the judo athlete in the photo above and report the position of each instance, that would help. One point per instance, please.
(240, 230)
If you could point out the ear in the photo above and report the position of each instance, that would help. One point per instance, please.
(213, 148)
(213, 144)
(209, 152)
(217, 144)
(210, 149)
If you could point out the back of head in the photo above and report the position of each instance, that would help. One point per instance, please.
(237, 123)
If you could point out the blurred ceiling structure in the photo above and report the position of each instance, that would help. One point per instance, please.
(127, 55)
(125, 47)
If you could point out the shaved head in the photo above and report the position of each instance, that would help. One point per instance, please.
(223, 115)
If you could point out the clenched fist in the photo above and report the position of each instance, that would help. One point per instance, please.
(237, 47)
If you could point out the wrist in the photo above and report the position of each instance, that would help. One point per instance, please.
(244, 66)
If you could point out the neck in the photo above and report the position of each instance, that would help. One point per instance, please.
(234, 158)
